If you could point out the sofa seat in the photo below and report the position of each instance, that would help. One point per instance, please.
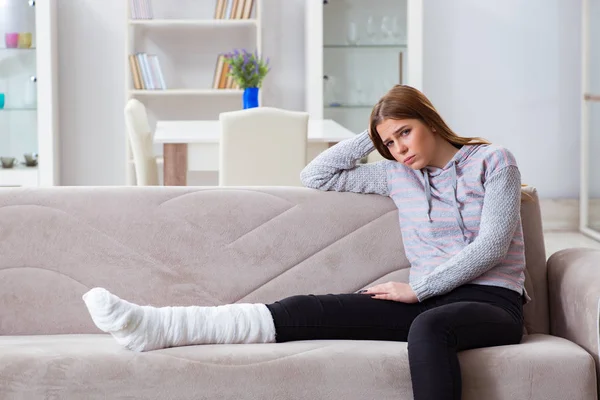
(93, 366)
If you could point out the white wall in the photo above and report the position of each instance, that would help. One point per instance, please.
(507, 70)
(91, 37)
(92, 75)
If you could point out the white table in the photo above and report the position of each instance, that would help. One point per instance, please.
(194, 145)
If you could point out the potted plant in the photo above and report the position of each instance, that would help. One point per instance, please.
(248, 70)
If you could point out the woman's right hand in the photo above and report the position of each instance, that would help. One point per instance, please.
(394, 291)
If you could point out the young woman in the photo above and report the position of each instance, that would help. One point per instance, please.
(459, 206)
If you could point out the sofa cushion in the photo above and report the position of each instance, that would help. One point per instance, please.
(94, 367)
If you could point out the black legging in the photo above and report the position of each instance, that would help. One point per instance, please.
(469, 317)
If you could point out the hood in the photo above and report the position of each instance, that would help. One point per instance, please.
(461, 157)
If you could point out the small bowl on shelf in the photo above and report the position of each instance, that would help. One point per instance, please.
(31, 159)
(8, 162)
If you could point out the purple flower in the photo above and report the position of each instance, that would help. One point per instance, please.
(248, 68)
(246, 60)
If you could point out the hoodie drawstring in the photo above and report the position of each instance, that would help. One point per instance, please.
(427, 193)
(457, 215)
(456, 210)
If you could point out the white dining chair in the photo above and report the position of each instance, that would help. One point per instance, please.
(140, 139)
(374, 156)
(262, 146)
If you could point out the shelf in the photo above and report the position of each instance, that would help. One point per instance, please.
(186, 92)
(18, 109)
(212, 23)
(345, 106)
(19, 176)
(18, 48)
(365, 46)
(21, 168)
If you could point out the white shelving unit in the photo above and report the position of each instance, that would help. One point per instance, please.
(186, 92)
(356, 50)
(212, 23)
(187, 40)
(29, 81)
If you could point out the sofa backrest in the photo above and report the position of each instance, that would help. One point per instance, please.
(201, 246)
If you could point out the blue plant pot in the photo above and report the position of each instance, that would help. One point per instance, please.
(250, 97)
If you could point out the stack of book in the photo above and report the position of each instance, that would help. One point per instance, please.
(234, 9)
(146, 72)
(221, 79)
(141, 9)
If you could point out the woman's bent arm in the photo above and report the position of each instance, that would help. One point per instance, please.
(336, 169)
(500, 217)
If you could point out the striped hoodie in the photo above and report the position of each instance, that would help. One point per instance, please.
(460, 224)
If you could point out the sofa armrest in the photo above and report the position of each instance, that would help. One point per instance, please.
(573, 294)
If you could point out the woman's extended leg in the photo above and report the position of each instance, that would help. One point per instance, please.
(344, 316)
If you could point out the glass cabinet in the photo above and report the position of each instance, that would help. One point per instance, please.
(356, 51)
(364, 49)
(27, 56)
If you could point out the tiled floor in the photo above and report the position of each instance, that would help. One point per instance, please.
(558, 240)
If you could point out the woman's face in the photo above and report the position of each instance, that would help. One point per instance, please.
(409, 141)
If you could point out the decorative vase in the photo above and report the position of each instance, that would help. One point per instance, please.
(250, 97)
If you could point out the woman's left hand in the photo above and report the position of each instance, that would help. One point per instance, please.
(394, 291)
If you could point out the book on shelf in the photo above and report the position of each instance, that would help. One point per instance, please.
(146, 72)
(141, 9)
(222, 79)
(234, 9)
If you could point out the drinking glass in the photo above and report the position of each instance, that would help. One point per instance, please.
(386, 29)
(352, 37)
(371, 28)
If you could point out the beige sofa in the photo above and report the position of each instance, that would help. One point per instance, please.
(210, 246)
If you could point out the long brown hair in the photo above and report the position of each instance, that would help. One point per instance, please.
(406, 102)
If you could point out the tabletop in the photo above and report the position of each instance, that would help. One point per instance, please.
(208, 131)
